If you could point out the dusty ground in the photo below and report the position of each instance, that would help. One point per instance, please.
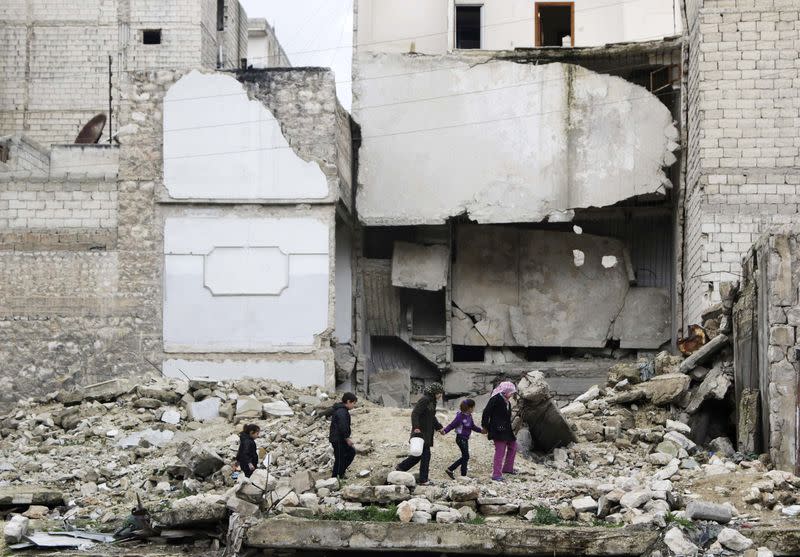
(389, 429)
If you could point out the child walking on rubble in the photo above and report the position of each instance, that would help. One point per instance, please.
(423, 424)
(247, 456)
(464, 426)
(339, 436)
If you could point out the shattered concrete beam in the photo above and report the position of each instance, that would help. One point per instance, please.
(705, 352)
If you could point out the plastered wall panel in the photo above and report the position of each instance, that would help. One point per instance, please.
(268, 292)
(218, 144)
(302, 373)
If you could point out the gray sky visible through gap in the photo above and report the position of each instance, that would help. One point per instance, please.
(313, 33)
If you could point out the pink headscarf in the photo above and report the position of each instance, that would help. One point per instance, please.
(506, 387)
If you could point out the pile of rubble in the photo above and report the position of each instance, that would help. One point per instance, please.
(87, 456)
(620, 454)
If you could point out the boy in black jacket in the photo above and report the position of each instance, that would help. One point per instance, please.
(343, 451)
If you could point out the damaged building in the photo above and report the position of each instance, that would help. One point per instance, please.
(200, 241)
(559, 187)
(517, 204)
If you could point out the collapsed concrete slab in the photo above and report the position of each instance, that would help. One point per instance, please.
(419, 266)
(645, 319)
(540, 140)
(521, 285)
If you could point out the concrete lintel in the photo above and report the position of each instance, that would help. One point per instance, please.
(496, 539)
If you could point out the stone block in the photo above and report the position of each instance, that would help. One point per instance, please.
(704, 510)
(248, 408)
(666, 389)
(463, 493)
(201, 460)
(733, 540)
(584, 504)
(397, 477)
(781, 335)
(206, 409)
(192, 511)
(15, 529)
(277, 408)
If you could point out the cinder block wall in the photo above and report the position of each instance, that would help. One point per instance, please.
(54, 56)
(743, 171)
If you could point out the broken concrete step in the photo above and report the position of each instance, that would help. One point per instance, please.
(14, 496)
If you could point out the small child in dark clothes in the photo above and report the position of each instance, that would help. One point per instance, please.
(464, 426)
(247, 457)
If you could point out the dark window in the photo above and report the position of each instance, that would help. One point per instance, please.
(554, 21)
(220, 15)
(151, 36)
(468, 26)
(4, 152)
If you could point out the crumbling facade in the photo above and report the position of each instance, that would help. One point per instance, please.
(517, 205)
(63, 62)
(201, 241)
(766, 318)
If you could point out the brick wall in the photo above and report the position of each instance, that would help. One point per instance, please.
(743, 172)
(49, 205)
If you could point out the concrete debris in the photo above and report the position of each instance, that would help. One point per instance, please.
(678, 544)
(201, 460)
(704, 353)
(666, 389)
(703, 510)
(547, 426)
(15, 529)
(715, 386)
(599, 460)
(205, 410)
(733, 540)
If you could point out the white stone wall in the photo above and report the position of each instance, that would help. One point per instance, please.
(428, 26)
(744, 143)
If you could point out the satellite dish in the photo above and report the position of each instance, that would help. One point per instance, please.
(92, 131)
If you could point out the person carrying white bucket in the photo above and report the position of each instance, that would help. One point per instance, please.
(423, 424)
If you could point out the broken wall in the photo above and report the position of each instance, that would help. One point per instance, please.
(107, 275)
(519, 287)
(766, 319)
(501, 141)
(743, 141)
(252, 273)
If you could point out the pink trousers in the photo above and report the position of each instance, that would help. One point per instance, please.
(507, 449)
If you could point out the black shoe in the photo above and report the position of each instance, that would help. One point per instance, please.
(450, 474)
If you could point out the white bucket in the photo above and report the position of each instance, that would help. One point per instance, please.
(415, 446)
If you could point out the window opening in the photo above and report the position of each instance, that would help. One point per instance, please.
(220, 15)
(151, 36)
(555, 24)
(468, 27)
